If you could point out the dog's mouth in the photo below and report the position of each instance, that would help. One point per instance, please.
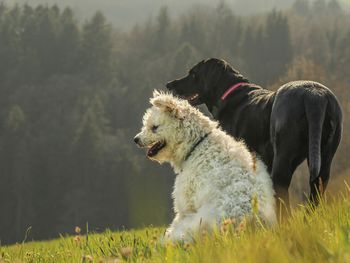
(155, 148)
(193, 99)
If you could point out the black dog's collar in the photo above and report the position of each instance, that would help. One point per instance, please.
(216, 109)
(196, 144)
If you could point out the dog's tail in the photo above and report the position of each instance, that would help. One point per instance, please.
(315, 109)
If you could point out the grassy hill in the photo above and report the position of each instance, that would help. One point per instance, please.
(321, 235)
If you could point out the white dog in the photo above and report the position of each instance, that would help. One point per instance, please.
(217, 177)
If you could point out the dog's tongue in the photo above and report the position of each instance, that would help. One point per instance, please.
(155, 149)
(151, 152)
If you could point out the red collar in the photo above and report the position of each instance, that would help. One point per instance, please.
(223, 97)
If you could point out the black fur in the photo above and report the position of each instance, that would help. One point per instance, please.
(302, 119)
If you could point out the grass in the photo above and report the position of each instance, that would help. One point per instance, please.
(320, 235)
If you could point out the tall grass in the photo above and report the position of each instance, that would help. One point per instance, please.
(308, 235)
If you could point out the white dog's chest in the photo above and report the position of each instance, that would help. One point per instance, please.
(184, 193)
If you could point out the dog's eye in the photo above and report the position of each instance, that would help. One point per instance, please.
(154, 128)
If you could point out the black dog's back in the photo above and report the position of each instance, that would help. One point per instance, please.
(305, 123)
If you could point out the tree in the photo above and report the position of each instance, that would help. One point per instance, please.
(334, 7)
(302, 68)
(68, 44)
(319, 7)
(253, 52)
(227, 31)
(162, 30)
(9, 46)
(342, 57)
(277, 46)
(301, 7)
(185, 57)
(87, 154)
(14, 153)
(96, 52)
(193, 33)
(47, 29)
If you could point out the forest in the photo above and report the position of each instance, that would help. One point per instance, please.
(72, 95)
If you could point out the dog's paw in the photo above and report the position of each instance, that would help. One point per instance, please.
(176, 236)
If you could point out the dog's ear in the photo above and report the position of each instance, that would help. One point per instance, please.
(167, 103)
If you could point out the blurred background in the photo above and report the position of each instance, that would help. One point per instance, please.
(76, 76)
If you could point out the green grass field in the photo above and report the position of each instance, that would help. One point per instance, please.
(322, 235)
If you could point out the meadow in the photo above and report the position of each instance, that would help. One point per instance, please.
(307, 235)
(68, 117)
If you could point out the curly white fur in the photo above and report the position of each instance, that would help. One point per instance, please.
(220, 177)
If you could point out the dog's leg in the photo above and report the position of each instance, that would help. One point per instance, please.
(281, 177)
(289, 148)
(281, 170)
(176, 230)
(283, 167)
(187, 227)
(182, 228)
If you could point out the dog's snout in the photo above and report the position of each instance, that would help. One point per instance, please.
(136, 140)
(170, 85)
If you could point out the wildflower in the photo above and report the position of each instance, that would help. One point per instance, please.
(223, 229)
(126, 251)
(87, 258)
(242, 226)
(187, 246)
(77, 230)
(77, 239)
(154, 240)
(228, 222)
(226, 225)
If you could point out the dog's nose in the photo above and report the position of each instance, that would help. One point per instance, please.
(136, 140)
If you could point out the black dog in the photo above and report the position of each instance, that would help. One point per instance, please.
(302, 119)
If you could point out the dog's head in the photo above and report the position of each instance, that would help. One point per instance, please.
(205, 81)
(162, 132)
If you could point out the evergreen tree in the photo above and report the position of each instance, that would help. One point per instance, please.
(334, 7)
(9, 46)
(193, 33)
(253, 52)
(184, 58)
(96, 51)
(47, 28)
(227, 31)
(301, 7)
(319, 7)
(68, 44)
(342, 65)
(162, 30)
(277, 46)
(87, 153)
(13, 169)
